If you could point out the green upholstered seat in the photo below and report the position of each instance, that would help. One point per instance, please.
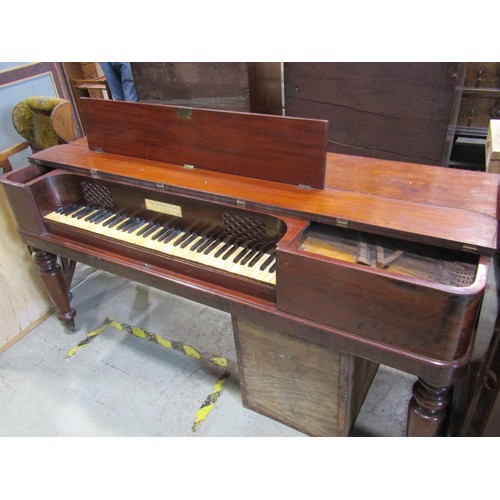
(32, 120)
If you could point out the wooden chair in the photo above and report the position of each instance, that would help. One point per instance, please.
(42, 122)
(7, 153)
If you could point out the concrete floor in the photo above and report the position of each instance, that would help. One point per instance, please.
(123, 385)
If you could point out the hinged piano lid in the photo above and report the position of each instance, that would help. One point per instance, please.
(274, 148)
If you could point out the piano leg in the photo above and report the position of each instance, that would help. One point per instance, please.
(427, 409)
(56, 285)
(68, 266)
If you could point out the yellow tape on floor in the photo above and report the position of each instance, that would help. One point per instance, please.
(209, 403)
(185, 349)
(87, 339)
(152, 337)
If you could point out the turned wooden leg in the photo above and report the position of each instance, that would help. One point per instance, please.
(68, 267)
(427, 409)
(55, 283)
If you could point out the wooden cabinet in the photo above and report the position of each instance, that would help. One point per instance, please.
(429, 113)
(480, 98)
(480, 103)
(395, 111)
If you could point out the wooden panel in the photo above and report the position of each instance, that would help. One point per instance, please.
(266, 88)
(483, 75)
(301, 384)
(411, 216)
(397, 111)
(23, 302)
(215, 85)
(412, 182)
(379, 304)
(483, 404)
(477, 111)
(273, 148)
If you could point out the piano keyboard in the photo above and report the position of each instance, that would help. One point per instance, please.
(213, 249)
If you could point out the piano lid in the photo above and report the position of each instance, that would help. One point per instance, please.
(273, 148)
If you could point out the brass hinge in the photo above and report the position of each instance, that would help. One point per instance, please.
(469, 248)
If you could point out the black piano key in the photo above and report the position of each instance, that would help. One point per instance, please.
(240, 255)
(206, 244)
(224, 248)
(267, 262)
(172, 235)
(125, 226)
(272, 268)
(111, 220)
(139, 223)
(212, 246)
(76, 213)
(67, 209)
(93, 215)
(255, 259)
(189, 240)
(71, 210)
(183, 238)
(250, 255)
(151, 230)
(102, 217)
(245, 251)
(230, 252)
(159, 233)
(59, 210)
(119, 220)
(235, 244)
(145, 228)
(198, 243)
(213, 236)
(85, 212)
(167, 233)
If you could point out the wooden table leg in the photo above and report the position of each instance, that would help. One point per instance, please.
(427, 409)
(55, 283)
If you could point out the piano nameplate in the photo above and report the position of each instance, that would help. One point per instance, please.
(164, 208)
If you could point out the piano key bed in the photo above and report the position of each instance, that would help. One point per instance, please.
(201, 244)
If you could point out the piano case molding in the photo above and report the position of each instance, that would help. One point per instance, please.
(397, 212)
(420, 207)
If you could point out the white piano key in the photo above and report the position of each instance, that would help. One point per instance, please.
(170, 247)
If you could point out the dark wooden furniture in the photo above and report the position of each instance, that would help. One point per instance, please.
(479, 103)
(214, 85)
(476, 405)
(249, 87)
(430, 113)
(480, 100)
(482, 414)
(314, 300)
(397, 111)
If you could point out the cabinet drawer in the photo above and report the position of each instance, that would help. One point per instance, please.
(415, 297)
(483, 75)
(478, 111)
